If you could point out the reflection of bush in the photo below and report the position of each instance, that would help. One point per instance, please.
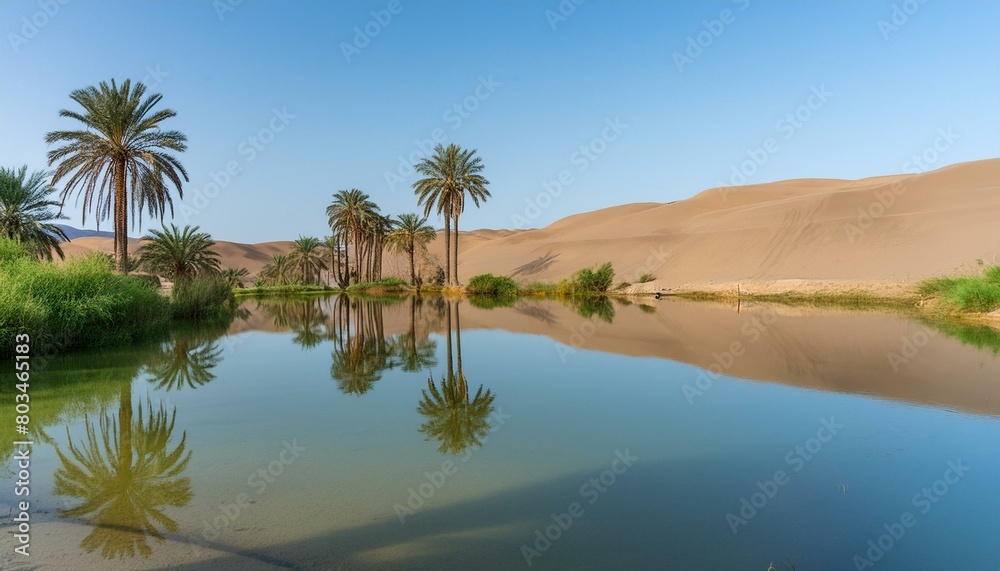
(488, 302)
(590, 306)
(979, 336)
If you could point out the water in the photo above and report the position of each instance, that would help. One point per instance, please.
(358, 434)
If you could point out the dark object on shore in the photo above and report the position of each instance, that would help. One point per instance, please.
(657, 295)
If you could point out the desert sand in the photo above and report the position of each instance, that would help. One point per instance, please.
(878, 234)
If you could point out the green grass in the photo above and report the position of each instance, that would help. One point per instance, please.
(284, 289)
(488, 284)
(976, 294)
(82, 303)
(386, 285)
(646, 278)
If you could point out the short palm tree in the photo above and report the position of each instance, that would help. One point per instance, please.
(307, 259)
(179, 254)
(277, 271)
(120, 161)
(409, 233)
(235, 277)
(449, 175)
(25, 212)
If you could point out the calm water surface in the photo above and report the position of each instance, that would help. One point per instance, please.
(342, 433)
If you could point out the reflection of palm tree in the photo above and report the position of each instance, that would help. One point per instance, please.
(124, 478)
(188, 358)
(454, 419)
(417, 354)
(305, 318)
(361, 352)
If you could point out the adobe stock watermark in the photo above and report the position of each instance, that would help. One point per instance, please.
(363, 35)
(911, 345)
(154, 77)
(258, 480)
(419, 495)
(796, 459)
(454, 117)
(712, 30)
(923, 502)
(248, 149)
(899, 17)
(223, 7)
(591, 491)
(580, 160)
(752, 330)
(31, 26)
(561, 14)
(785, 129)
(885, 199)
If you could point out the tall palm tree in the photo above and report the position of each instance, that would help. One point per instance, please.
(333, 246)
(124, 477)
(121, 148)
(410, 233)
(306, 259)
(351, 213)
(179, 254)
(25, 211)
(450, 174)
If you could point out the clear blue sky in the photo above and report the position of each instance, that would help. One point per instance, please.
(550, 92)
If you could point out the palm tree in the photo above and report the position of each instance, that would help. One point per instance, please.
(410, 233)
(179, 254)
(306, 258)
(351, 213)
(235, 277)
(449, 175)
(121, 148)
(334, 273)
(25, 212)
(276, 272)
(124, 477)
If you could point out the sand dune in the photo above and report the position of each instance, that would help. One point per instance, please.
(880, 233)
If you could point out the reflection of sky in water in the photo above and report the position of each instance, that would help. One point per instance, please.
(242, 404)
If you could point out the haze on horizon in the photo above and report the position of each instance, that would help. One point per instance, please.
(622, 101)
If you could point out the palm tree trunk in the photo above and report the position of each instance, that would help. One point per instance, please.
(121, 220)
(447, 248)
(125, 431)
(456, 250)
(413, 274)
(458, 349)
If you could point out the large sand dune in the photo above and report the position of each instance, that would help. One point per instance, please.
(812, 234)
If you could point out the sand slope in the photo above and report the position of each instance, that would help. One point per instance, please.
(877, 233)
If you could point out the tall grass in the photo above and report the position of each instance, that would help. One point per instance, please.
(80, 304)
(203, 299)
(969, 293)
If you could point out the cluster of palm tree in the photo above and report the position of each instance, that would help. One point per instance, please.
(121, 162)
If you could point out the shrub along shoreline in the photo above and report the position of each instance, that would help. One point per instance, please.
(84, 303)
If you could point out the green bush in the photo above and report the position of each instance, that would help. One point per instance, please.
(489, 284)
(203, 299)
(646, 278)
(79, 304)
(588, 281)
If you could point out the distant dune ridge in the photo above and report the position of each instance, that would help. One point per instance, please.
(797, 235)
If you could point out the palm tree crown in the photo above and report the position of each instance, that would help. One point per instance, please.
(25, 211)
(122, 147)
(410, 233)
(179, 254)
(307, 260)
